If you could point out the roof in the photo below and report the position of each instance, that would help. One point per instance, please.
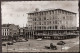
(6, 25)
(50, 10)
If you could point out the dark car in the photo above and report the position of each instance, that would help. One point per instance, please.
(61, 43)
(27, 40)
(10, 43)
(53, 48)
(47, 47)
(3, 44)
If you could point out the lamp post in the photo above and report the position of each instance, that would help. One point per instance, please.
(7, 43)
(7, 47)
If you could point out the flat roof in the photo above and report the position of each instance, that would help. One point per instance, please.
(50, 10)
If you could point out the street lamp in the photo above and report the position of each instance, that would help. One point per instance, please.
(7, 48)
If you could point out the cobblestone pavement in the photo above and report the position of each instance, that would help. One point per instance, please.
(38, 46)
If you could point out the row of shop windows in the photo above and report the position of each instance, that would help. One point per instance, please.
(44, 18)
(50, 27)
(43, 27)
(51, 18)
(46, 22)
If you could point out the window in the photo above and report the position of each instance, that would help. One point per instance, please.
(35, 27)
(50, 12)
(55, 27)
(7, 29)
(35, 23)
(44, 23)
(39, 27)
(39, 19)
(50, 27)
(66, 13)
(44, 27)
(55, 21)
(59, 11)
(42, 13)
(34, 19)
(45, 13)
(53, 17)
(49, 22)
(63, 12)
(44, 18)
(63, 17)
(39, 23)
(53, 12)
(63, 27)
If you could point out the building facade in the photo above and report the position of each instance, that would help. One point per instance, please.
(50, 22)
(9, 30)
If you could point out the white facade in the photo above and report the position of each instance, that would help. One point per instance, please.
(57, 19)
(5, 31)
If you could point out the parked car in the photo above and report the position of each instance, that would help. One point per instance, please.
(10, 43)
(26, 39)
(23, 40)
(53, 48)
(47, 47)
(61, 43)
(19, 40)
(39, 39)
(3, 44)
(14, 41)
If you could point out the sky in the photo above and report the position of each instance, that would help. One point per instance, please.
(15, 12)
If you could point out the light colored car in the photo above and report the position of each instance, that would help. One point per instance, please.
(14, 41)
(23, 40)
(39, 39)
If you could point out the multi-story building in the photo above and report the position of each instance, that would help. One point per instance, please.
(47, 23)
(9, 30)
(22, 32)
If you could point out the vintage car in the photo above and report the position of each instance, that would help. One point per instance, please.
(10, 43)
(53, 47)
(3, 44)
(39, 39)
(61, 43)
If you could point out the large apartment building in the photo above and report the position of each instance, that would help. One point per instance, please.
(50, 22)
